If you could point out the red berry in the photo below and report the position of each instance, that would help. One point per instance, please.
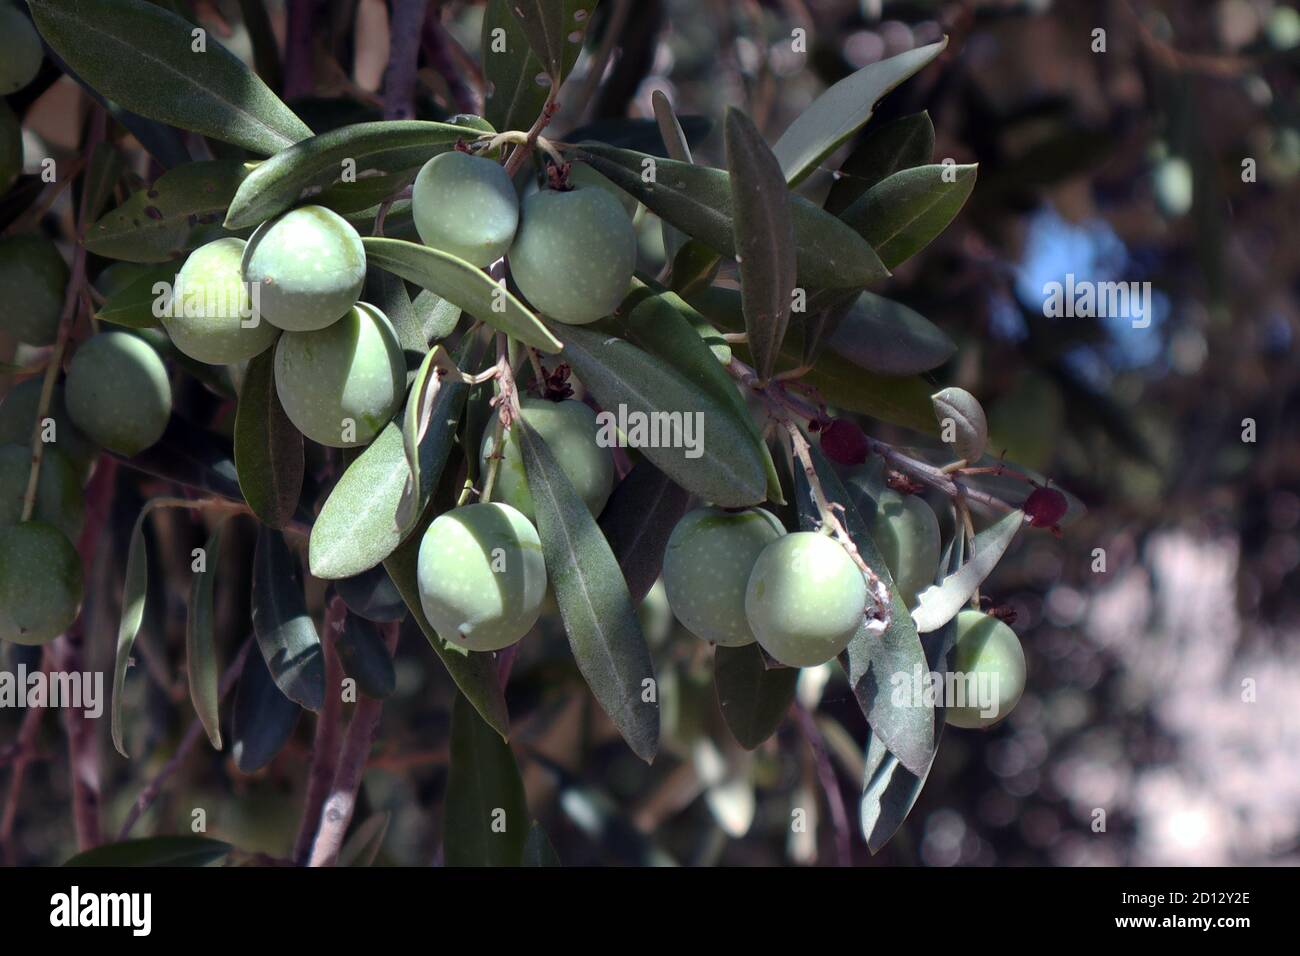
(1045, 507)
(844, 442)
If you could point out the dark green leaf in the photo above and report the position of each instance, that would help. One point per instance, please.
(268, 449)
(727, 467)
(970, 430)
(372, 595)
(485, 822)
(902, 144)
(266, 52)
(901, 215)
(764, 237)
(264, 718)
(538, 850)
(360, 150)
(156, 224)
(471, 289)
(437, 316)
(883, 336)
(843, 110)
(543, 24)
(134, 591)
(599, 617)
(284, 630)
(104, 170)
(753, 697)
(640, 515)
(155, 851)
(697, 200)
(388, 293)
(142, 57)
(516, 76)
(133, 305)
(365, 657)
(201, 669)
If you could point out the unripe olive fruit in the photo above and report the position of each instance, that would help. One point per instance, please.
(707, 564)
(987, 660)
(805, 599)
(465, 205)
(11, 147)
(906, 532)
(574, 254)
(308, 265)
(341, 385)
(33, 280)
(40, 583)
(482, 576)
(20, 50)
(59, 500)
(655, 615)
(117, 392)
(210, 307)
(18, 422)
(569, 430)
(582, 176)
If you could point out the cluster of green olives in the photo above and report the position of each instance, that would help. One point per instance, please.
(572, 252)
(482, 578)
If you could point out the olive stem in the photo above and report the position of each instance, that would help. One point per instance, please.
(325, 743)
(520, 152)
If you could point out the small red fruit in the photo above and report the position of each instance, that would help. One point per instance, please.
(844, 442)
(1045, 507)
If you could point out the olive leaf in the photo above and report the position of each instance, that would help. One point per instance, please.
(133, 305)
(264, 719)
(843, 110)
(597, 610)
(437, 317)
(940, 603)
(359, 525)
(538, 850)
(969, 427)
(134, 593)
(641, 134)
(372, 595)
(155, 851)
(697, 200)
(764, 239)
(637, 520)
(679, 148)
(268, 448)
(156, 223)
(436, 372)
(886, 337)
(143, 58)
(543, 24)
(365, 657)
(485, 821)
(102, 174)
(901, 144)
(875, 662)
(901, 215)
(725, 464)
(285, 632)
(366, 841)
(388, 292)
(460, 283)
(360, 150)
(201, 669)
(754, 698)
(266, 51)
(524, 45)
(475, 674)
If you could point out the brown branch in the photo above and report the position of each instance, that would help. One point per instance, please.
(325, 746)
(403, 58)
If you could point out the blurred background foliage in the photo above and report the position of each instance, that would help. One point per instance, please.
(1124, 165)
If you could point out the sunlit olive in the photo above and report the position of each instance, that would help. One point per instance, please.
(210, 317)
(465, 205)
(806, 598)
(40, 583)
(707, 564)
(988, 667)
(481, 576)
(118, 393)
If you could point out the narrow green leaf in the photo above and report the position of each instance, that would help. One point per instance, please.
(358, 527)
(678, 148)
(388, 293)
(764, 237)
(843, 110)
(285, 632)
(485, 822)
(753, 697)
(366, 842)
(883, 336)
(724, 463)
(517, 77)
(264, 719)
(901, 144)
(599, 617)
(970, 429)
(460, 283)
(438, 318)
(155, 851)
(134, 592)
(940, 603)
(372, 595)
(697, 200)
(201, 666)
(133, 305)
(268, 449)
(475, 674)
(637, 520)
(538, 850)
(365, 657)
(429, 381)
(543, 24)
(903, 214)
(143, 58)
(359, 150)
(102, 174)
(155, 224)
